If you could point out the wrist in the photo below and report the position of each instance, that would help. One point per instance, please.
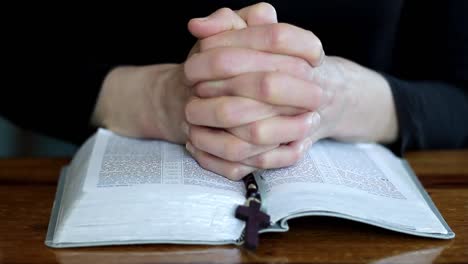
(129, 102)
(370, 114)
(387, 129)
(172, 94)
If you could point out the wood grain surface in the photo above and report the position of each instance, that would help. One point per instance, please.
(27, 190)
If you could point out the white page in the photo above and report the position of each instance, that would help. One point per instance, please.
(363, 181)
(146, 190)
(119, 161)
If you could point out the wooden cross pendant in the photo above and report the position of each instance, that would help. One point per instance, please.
(255, 220)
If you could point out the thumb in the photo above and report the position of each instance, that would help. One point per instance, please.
(225, 19)
(258, 14)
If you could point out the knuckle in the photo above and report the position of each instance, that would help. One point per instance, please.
(303, 129)
(194, 137)
(319, 94)
(222, 62)
(302, 69)
(316, 46)
(188, 66)
(261, 162)
(200, 89)
(214, 42)
(267, 84)
(335, 82)
(203, 161)
(224, 115)
(279, 35)
(321, 98)
(225, 11)
(233, 151)
(255, 132)
(295, 156)
(189, 110)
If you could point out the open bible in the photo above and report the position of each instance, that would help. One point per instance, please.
(119, 190)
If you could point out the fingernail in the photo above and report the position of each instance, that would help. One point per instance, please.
(244, 170)
(313, 119)
(307, 143)
(185, 128)
(201, 19)
(322, 57)
(189, 147)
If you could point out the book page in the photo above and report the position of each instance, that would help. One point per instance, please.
(125, 162)
(144, 191)
(363, 181)
(337, 164)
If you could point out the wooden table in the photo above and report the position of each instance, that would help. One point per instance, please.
(27, 189)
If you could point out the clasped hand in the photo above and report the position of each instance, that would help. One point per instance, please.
(252, 94)
(255, 102)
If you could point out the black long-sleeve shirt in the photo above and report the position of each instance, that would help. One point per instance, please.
(60, 58)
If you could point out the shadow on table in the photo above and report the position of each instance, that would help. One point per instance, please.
(213, 255)
(102, 256)
(413, 257)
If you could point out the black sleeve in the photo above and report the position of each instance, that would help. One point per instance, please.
(55, 98)
(431, 115)
(430, 78)
(52, 76)
(58, 60)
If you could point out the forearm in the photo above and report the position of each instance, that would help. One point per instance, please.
(403, 114)
(131, 102)
(368, 107)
